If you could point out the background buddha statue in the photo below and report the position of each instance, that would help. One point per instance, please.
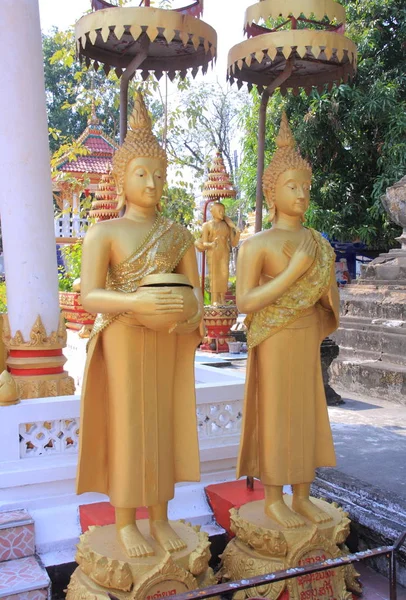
(219, 235)
(286, 285)
(138, 433)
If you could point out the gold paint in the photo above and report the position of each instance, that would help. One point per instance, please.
(9, 393)
(38, 336)
(272, 9)
(262, 546)
(37, 386)
(104, 566)
(218, 236)
(150, 19)
(339, 56)
(142, 378)
(291, 38)
(286, 285)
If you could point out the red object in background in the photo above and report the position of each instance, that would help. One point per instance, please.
(232, 494)
(102, 513)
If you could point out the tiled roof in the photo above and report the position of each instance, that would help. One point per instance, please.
(88, 164)
(99, 160)
(98, 144)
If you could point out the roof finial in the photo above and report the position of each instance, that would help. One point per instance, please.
(93, 120)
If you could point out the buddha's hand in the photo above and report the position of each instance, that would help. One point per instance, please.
(188, 326)
(162, 301)
(302, 257)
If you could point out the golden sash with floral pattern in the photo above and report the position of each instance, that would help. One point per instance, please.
(301, 296)
(160, 252)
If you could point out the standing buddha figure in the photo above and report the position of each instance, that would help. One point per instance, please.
(138, 433)
(219, 235)
(286, 285)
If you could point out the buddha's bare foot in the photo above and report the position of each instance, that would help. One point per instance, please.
(133, 541)
(308, 509)
(279, 512)
(166, 537)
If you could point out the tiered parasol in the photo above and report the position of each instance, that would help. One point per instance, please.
(306, 48)
(151, 40)
(104, 207)
(218, 185)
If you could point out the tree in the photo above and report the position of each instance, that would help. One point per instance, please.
(204, 120)
(354, 136)
(178, 205)
(71, 89)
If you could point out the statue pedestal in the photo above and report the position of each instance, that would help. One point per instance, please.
(262, 546)
(105, 568)
(218, 321)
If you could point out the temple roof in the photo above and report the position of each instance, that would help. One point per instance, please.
(101, 149)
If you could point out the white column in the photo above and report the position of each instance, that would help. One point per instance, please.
(25, 191)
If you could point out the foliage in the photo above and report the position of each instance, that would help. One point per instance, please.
(71, 89)
(204, 120)
(177, 205)
(72, 257)
(354, 136)
(3, 297)
(201, 119)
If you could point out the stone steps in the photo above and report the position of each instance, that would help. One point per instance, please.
(373, 378)
(22, 577)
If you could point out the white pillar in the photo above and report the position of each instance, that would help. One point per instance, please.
(35, 358)
(26, 192)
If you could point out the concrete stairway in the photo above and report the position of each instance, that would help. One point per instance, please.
(21, 575)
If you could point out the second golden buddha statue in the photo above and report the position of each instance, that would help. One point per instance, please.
(286, 285)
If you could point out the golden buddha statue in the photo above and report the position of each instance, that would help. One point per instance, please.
(138, 433)
(286, 285)
(219, 235)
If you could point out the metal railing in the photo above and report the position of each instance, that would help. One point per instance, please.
(332, 563)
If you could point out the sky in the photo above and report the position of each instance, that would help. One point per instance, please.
(226, 16)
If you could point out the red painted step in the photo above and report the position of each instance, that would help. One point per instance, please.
(232, 494)
(102, 513)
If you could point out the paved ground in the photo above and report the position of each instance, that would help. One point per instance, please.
(369, 438)
(370, 442)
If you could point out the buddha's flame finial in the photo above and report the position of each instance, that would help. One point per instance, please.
(139, 118)
(286, 158)
(285, 137)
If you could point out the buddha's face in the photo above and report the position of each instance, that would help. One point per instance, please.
(144, 179)
(217, 211)
(292, 192)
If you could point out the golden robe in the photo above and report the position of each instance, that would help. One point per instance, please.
(286, 432)
(138, 430)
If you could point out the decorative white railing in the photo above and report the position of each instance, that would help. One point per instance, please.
(68, 227)
(39, 437)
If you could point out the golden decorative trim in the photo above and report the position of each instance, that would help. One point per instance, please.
(168, 569)
(139, 20)
(199, 558)
(265, 541)
(103, 570)
(241, 563)
(322, 45)
(317, 542)
(44, 386)
(342, 529)
(38, 336)
(261, 546)
(274, 8)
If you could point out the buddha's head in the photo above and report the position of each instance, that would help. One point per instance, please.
(218, 210)
(286, 181)
(139, 165)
